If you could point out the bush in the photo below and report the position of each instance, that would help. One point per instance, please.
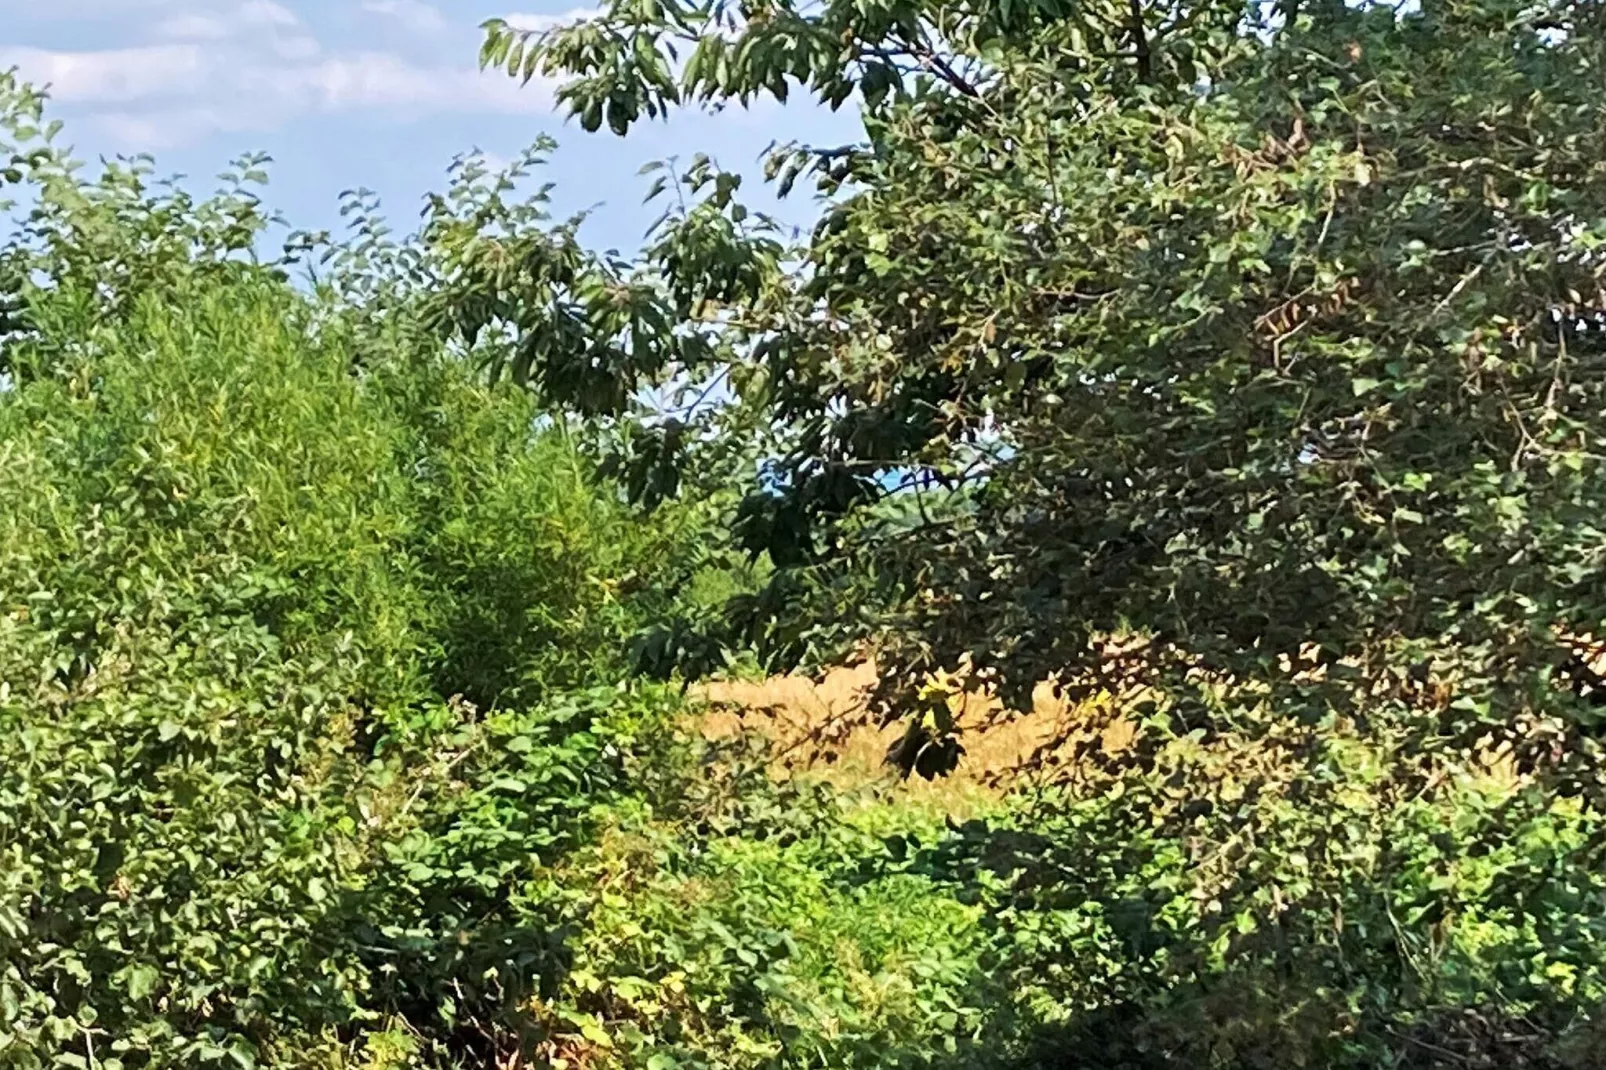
(742, 923)
(287, 659)
(314, 749)
(1281, 895)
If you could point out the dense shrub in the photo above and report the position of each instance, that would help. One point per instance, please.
(313, 749)
(741, 923)
(1293, 895)
(261, 778)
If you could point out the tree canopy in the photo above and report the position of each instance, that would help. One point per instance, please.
(1154, 341)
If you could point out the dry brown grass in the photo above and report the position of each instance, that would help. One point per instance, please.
(820, 728)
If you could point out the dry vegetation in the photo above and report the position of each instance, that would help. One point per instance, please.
(821, 727)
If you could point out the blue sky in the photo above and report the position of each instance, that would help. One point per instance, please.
(345, 93)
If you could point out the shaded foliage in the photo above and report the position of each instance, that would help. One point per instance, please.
(1246, 329)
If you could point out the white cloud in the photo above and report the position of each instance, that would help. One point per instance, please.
(413, 15)
(385, 81)
(267, 13)
(213, 26)
(194, 26)
(161, 129)
(115, 74)
(236, 65)
(520, 20)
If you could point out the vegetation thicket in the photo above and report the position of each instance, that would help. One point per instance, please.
(317, 748)
(1236, 369)
(1243, 362)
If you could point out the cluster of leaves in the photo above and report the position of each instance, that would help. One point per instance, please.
(493, 278)
(1327, 895)
(742, 923)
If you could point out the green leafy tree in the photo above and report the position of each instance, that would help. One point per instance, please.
(1250, 332)
(1246, 362)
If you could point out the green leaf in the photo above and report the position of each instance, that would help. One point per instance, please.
(243, 1053)
(141, 981)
